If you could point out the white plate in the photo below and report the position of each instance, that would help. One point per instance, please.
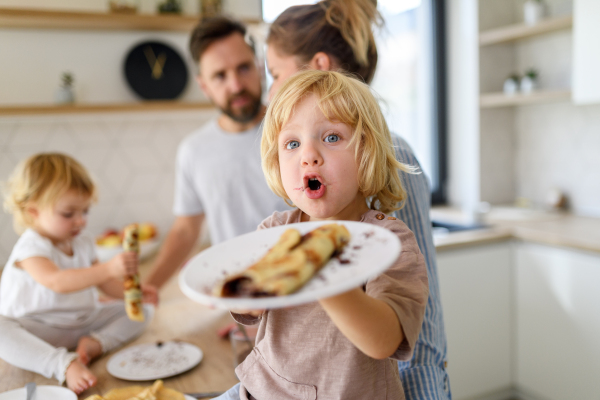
(147, 248)
(146, 362)
(371, 251)
(41, 393)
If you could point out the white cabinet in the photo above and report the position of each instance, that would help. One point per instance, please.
(558, 322)
(521, 316)
(475, 285)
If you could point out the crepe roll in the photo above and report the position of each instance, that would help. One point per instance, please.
(292, 262)
(131, 286)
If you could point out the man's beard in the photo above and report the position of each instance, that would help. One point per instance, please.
(246, 113)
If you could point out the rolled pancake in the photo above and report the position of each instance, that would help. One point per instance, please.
(155, 392)
(288, 265)
(131, 286)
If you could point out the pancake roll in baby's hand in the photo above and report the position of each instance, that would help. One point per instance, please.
(286, 267)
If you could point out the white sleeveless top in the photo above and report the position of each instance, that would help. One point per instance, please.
(22, 296)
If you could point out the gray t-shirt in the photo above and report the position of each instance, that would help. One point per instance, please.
(218, 173)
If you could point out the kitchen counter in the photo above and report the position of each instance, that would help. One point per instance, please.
(505, 223)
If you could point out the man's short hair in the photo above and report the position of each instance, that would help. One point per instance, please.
(209, 30)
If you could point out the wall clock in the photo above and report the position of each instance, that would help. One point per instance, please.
(155, 71)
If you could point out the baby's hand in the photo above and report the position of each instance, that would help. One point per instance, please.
(149, 294)
(124, 264)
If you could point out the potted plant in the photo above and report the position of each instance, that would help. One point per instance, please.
(64, 94)
(511, 84)
(170, 7)
(529, 82)
(533, 11)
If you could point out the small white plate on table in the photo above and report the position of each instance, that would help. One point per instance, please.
(150, 361)
(371, 250)
(41, 393)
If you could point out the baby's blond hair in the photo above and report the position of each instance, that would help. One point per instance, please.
(41, 180)
(344, 99)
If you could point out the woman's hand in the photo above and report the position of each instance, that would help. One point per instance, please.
(149, 295)
(124, 264)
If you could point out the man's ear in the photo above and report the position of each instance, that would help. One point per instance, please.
(202, 85)
(321, 61)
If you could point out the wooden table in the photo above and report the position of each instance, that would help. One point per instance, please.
(177, 317)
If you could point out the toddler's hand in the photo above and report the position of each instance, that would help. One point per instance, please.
(254, 313)
(149, 294)
(124, 264)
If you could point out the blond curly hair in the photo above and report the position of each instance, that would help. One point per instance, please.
(347, 100)
(41, 180)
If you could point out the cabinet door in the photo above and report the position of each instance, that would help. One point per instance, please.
(475, 285)
(558, 322)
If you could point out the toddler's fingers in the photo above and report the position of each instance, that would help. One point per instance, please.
(254, 313)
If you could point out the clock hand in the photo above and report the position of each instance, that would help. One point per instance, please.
(150, 56)
(157, 71)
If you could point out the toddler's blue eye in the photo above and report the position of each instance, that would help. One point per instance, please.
(293, 144)
(332, 138)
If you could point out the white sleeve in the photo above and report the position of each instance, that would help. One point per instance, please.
(88, 247)
(33, 245)
(187, 200)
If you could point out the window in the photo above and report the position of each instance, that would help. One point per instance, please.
(410, 78)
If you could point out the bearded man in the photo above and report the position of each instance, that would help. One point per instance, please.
(218, 169)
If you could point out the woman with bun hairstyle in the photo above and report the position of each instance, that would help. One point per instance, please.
(338, 35)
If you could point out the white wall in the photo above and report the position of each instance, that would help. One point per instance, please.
(527, 151)
(557, 144)
(463, 105)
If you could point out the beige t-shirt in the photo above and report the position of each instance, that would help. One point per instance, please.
(301, 354)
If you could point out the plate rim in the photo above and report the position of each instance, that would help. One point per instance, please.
(288, 300)
(66, 391)
(112, 360)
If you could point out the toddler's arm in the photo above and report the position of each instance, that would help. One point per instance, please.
(386, 318)
(370, 324)
(46, 273)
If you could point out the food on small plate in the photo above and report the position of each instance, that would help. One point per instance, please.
(131, 285)
(288, 265)
(110, 238)
(114, 238)
(155, 392)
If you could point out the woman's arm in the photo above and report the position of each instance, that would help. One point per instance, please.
(47, 274)
(370, 324)
(114, 288)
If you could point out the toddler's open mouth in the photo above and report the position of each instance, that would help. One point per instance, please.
(314, 187)
(314, 184)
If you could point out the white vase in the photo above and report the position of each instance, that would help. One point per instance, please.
(533, 12)
(527, 84)
(64, 95)
(510, 86)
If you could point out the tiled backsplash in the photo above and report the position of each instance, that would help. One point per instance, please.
(558, 146)
(130, 156)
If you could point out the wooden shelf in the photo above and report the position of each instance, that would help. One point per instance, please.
(47, 19)
(521, 31)
(99, 108)
(493, 100)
